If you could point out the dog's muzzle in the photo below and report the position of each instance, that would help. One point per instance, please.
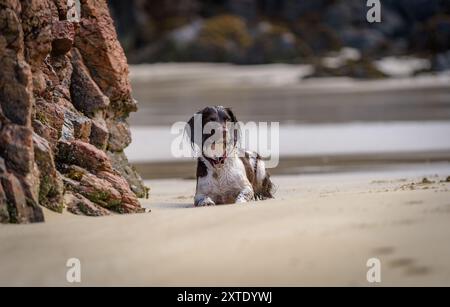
(217, 161)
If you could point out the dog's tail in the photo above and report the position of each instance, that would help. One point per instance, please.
(258, 176)
(265, 187)
(266, 190)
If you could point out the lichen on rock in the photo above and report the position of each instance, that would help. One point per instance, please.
(64, 99)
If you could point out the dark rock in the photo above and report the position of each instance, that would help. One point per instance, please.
(63, 36)
(80, 205)
(393, 24)
(86, 95)
(318, 36)
(15, 76)
(95, 189)
(123, 167)
(222, 38)
(106, 189)
(121, 185)
(419, 10)
(119, 135)
(82, 128)
(3, 119)
(37, 22)
(441, 61)
(2, 166)
(21, 209)
(358, 69)
(15, 197)
(72, 172)
(16, 147)
(62, 6)
(127, 208)
(61, 76)
(273, 44)
(76, 126)
(51, 115)
(46, 132)
(425, 180)
(51, 187)
(342, 14)
(83, 154)
(102, 53)
(4, 214)
(63, 118)
(369, 41)
(41, 82)
(99, 134)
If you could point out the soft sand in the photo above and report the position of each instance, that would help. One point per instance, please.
(320, 230)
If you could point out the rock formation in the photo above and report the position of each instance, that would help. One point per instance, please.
(64, 99)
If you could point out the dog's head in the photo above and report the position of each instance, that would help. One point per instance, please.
(215, 131)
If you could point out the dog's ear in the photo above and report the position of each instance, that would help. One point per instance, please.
(231, 115)
(190, 129)
(237, 131)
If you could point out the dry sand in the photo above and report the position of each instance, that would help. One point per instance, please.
(320, 230)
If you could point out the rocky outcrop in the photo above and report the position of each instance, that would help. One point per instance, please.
(64, 99)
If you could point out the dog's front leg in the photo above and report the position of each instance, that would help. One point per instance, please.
(245, 195)
(203, 201)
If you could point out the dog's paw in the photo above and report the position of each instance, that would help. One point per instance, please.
(205, 202)
(245, 196)
(240, 200)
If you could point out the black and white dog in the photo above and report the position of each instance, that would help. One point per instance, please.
(226, 174)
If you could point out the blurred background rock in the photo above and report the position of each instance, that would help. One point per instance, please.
(282, 31)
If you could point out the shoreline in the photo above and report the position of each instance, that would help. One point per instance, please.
(298, 165)
(350, 144)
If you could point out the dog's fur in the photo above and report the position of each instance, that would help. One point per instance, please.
(238, 177)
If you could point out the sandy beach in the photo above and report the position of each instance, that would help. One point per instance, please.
(320, 230)
(350, 188)
(98, 170)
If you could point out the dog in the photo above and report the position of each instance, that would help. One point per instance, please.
(226, 174)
